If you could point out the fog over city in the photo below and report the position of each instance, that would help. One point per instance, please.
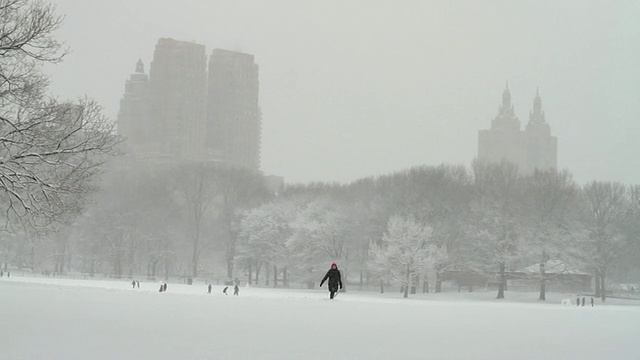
(350, 89)
(290, 179)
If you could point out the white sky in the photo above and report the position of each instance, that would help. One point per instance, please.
(356, 88)
(83, 319)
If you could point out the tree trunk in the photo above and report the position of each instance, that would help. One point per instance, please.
(543, 295)
(597, 281)
(258, 268)
(438, 282)
(502, 281)
(166, 269)
(266, 276)
(414, 284)
(250, 270)
(230, 269)
(407, 283)
(275, 276)
(381, 286)
(603, 290)
(194, 257)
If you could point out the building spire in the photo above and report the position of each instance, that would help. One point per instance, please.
(506, 118)
(140, 66)
(537, 115)
(506, 97)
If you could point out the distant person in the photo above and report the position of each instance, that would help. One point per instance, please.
(583, 300)
(578, 301)
(224, 291)
(164, 287)
(334, 280)
(209, 289)
(592, 301)
(161, 288)
(133, 284)
(138, 284)
(236, 289)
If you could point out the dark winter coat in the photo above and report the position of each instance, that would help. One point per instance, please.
(334, 280)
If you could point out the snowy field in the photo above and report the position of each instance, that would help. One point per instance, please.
(47, 318)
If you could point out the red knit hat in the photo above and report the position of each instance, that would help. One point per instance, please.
(334, 265)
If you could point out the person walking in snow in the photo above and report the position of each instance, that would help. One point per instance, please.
(209, 289)
(236, 289)
(334, 280)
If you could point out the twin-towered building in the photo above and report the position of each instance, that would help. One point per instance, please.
(530, 149)
(188, 109)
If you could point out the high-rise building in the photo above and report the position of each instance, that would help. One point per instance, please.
(133, 116)
(233, 114)
(180, 113)
(533, 148)
(178, 99)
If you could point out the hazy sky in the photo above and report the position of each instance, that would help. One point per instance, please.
(350, 89)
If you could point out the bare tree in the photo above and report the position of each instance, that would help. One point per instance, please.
(605, 208)
(49, 151)
(496, 226)
(199, 190)
(549, 196)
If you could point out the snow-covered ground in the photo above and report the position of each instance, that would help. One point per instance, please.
(48, 318)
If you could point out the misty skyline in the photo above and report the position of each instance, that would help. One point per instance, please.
(357, 89)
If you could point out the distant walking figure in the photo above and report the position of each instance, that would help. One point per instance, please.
(164, 287)
(209, 289)
(578, 301)
(334, 280)
(236, 290)
(138, 284)
(592, 301)
(225, 290)
(133, 284)
(583, 300)
(161, 288)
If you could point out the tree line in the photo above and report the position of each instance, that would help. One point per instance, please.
(69, 208)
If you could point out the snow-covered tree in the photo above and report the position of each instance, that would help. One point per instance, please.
(265, 231)
(320, 235)
(50, 151)
(404, 251)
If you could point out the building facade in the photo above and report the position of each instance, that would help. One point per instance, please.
(177, 80)
(530, 149)
(233, 113)
(133, 116)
